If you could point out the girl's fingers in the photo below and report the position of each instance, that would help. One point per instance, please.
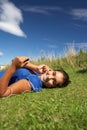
(27, 59)
(20, 61)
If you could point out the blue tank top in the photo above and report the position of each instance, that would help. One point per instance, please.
(24, 73)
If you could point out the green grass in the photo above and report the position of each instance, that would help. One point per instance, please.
(50, 109)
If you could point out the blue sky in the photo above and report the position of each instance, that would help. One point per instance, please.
(30, 27)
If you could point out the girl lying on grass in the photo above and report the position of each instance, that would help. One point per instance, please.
(22, 76)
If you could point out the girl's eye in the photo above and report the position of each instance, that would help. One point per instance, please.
(54, 73)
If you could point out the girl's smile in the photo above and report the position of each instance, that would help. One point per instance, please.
(52, 78)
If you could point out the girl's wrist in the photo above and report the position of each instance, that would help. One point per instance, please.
(36, 69)
(14, 68)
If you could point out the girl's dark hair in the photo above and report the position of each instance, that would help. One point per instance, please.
(66, 79)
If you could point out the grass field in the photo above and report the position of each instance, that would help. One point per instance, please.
(50, 109)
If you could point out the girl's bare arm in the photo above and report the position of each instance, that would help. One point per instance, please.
(4, 80)
(17, 88)
(38, 68)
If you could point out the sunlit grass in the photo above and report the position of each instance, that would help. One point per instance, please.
(50, 109)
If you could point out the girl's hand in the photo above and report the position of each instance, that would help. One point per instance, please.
(43, 68)
(20, 61)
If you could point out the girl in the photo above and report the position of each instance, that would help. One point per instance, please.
(23, 76)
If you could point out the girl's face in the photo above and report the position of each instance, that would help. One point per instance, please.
(52, 78)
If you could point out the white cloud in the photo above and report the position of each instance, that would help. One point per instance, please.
(80, 25)
(78, 45)
(53, 46)
(41, 9)
(10, 18)
(79, 14)
(81, 45)
(1, 54)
